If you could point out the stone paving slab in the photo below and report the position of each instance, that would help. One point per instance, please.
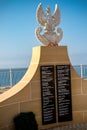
(80, 126)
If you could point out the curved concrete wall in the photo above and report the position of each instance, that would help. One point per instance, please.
(25, 96)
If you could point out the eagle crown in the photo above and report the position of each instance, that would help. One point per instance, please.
(49, 22)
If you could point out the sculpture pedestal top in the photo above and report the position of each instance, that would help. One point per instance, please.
(50, 55)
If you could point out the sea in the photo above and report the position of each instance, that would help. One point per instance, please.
(10, 77)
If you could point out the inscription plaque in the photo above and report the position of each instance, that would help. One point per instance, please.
(48, 94)
(63, 80)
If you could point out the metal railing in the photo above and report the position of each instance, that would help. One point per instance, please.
(81, 70)
(9, 77)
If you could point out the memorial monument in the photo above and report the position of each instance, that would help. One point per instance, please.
(51, 88)
(51, 37)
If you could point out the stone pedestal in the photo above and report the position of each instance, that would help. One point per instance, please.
(26, 96)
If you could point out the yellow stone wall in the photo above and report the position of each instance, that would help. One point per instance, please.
(25, 96)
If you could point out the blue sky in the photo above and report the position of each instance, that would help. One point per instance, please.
(17, 30)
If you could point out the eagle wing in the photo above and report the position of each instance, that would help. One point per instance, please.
(40, 15)
(56, 16)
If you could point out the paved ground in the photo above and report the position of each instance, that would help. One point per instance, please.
(81, 126)
(3, 89)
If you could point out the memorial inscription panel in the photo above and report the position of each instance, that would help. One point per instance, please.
(48, 94)
(64, 101)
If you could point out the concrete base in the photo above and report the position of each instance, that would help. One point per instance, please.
(25, 96)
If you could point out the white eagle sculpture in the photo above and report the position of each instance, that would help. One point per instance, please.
(49, 36)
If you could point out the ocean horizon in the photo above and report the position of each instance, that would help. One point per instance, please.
(10, 77)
